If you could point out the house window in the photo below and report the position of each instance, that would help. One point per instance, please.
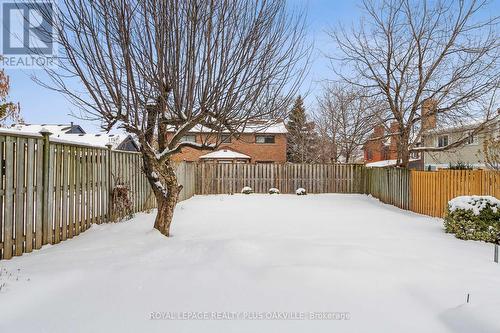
(264, 139)
(225, 138)
(443, 141)
(189, 138)
(369, 155)
(471, 139)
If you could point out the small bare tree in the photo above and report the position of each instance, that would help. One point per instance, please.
(491, 148)
(8, 110)
(345, 117)
(409, 53)
(154, 67)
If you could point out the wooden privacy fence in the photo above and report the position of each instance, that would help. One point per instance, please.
(214, 178)
(389, 185)
(431, 190)
(51, 190)
(428, 192)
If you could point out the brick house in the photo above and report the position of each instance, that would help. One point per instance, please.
(381, 146)
(261, 142)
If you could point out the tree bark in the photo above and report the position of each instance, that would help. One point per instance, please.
(166, 189)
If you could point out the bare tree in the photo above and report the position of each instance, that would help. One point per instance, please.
(345, 118)
(410, 53)
(491, 148)
(8, 110)
(156, 66)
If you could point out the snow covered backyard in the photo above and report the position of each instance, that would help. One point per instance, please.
(248, 255)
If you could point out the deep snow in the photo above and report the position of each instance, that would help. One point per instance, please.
(392, 270)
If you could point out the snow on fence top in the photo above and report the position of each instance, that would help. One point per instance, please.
(475, 203)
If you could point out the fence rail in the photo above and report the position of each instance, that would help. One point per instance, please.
(315, 178)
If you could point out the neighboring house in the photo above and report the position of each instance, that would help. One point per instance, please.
(381, 149)
(381, 146)
(471, 153)
(75, 134)
(52, 128)
(260, 142)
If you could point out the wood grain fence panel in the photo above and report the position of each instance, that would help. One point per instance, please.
(20, 172)
(39, 172)
(8, 219)
(30, 194)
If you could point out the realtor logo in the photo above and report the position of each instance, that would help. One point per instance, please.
(27, 34)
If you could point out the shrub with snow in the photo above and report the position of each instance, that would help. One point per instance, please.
(247, 190)
(474, 217)
(301, 191)
(274, 190)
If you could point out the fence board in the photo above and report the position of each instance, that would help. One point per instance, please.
(8, 218)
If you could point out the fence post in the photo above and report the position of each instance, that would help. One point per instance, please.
(495, 257)
(109, 182)
(46, 188)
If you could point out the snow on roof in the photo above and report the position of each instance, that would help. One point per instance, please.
(98, 140)
(459, 126)
(9, 130)
(265, 127)
(95, 140)
(225, 154)
(52, 128)
(384, 163)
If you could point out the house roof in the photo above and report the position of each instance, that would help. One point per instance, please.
(261, 127)
(225, 154)
(98, 140)
(461, 126)
(384, 163)
(52, 128)
(58, 134)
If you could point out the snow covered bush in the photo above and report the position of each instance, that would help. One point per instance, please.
(301, 191)
(247, 190)
(274, 190)
(474, 217)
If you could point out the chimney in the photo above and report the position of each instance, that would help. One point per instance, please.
(394, 127)
(378, 131)
(428, 121)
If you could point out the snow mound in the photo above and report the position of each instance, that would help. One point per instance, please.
(474, 203)
(247, 190)
(301, 191)
(274, 190)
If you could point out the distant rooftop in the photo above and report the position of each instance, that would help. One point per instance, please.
(264, 127)
(52, 128)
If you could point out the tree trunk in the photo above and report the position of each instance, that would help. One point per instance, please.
(404, 152)
(166, 205)
(166, 189)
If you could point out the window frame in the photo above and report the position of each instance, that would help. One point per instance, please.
(265, 136)
(471, 139)
(229, 138)
(442, 137)
(182, 139)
